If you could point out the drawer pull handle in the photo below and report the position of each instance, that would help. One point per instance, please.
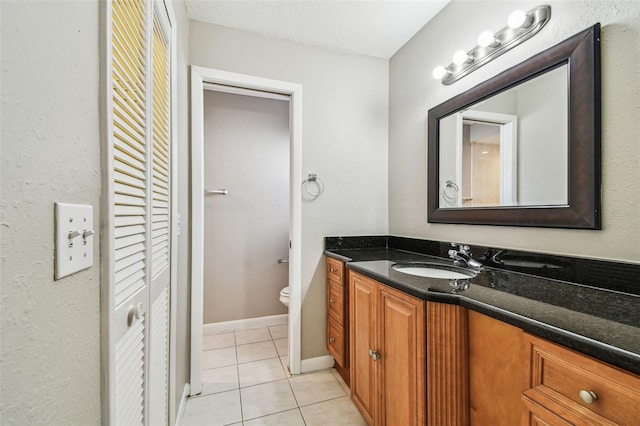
(587, 396)
(332, 339)
(332, 300)
(374, 355)
(334, 270)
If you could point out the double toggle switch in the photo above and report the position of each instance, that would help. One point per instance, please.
(86, 233)
(74, 238)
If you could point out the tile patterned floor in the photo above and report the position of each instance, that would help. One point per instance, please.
(246, 381)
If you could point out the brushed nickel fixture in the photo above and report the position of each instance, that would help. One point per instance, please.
(520, 27)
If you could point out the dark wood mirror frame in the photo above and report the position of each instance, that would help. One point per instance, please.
(582, 54)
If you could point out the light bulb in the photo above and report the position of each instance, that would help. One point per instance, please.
(439, 72)
(486, 38)
(460, 57)
(518, 19)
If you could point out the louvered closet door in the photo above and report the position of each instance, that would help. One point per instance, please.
(138, 205)
(160, 198)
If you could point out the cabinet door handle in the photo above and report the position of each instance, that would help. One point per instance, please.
(332, 300)
(334, 270)
(374, 355)
(587, 396)
(332, 339)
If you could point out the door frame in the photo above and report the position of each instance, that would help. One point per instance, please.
(200, 76)
(508, 151)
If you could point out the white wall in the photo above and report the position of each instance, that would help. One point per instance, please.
(344, 141)
(412, 92)
(246, 151)
(50, 362)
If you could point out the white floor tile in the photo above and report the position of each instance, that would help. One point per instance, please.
(219, 358)
(316, 387)
(282, 346)
(279, 331)
(335, 412)
(212, 410)
(341, 381)
(252, 335)
(256, 372)
(256, 351)
(245, 377)
(267, 398)
(220, 379)
(285, 418)
(218, 341)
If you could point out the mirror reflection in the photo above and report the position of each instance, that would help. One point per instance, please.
(510, 149)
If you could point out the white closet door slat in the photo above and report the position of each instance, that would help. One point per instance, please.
(130, 394)
(158, 378)
(130, 250)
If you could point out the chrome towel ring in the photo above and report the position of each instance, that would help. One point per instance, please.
(450, 191)
(319, 184)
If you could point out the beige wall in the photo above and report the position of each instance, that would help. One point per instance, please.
(50, 362)
(344, 141)
(412, 92)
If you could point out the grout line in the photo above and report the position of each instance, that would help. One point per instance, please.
(238, 376)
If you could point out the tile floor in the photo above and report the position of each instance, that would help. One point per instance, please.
(245, 381)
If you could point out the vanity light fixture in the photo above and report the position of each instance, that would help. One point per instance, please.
(519, 19)
(520, 27)
(487, 39)
(439, 72)
(462, 57)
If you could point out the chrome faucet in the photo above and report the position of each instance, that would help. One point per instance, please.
(463, 254)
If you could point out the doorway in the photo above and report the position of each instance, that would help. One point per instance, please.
(237, 83)
(246, 206)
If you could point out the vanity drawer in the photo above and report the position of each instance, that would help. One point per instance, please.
(335, 301)
(335, 270)
(336, 341)
(564, 377)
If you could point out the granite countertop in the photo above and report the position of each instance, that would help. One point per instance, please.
(600, 323)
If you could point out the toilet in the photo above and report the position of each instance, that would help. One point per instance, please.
(284, 296)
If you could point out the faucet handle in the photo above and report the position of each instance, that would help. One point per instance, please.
(464, 249)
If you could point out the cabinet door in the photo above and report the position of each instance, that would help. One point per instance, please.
(496, 371)
(536, 415)
(363, 369)
(402, 360)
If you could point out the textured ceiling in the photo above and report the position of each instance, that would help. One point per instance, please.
(367, 27)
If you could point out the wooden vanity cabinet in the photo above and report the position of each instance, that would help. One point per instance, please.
(566, 387)
(474, 368)
(387, 350)
(337, 317)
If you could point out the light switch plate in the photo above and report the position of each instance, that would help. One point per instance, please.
(74, 238)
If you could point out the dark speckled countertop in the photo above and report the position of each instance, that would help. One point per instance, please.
(602, 323)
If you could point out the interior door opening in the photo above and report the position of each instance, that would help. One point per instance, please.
(246, 206)
(289, 95)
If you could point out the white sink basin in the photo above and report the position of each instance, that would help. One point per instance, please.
(434, 271)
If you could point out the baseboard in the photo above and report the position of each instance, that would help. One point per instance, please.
(221, 327)
(317, 363)
(183, 403)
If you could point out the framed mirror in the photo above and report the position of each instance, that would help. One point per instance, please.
(523, 148)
